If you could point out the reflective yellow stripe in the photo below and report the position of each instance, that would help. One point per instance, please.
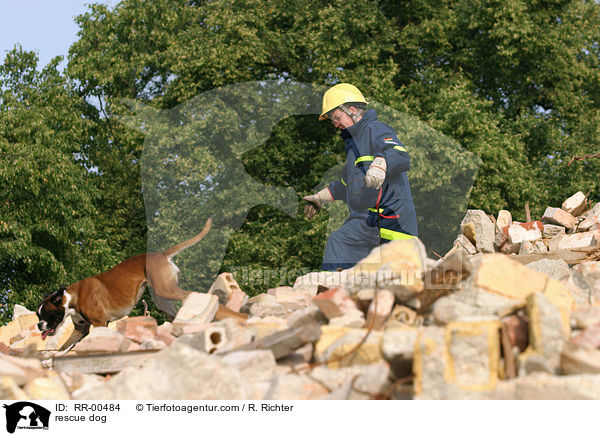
(343, 183)
(399, 147)
(372, 209)
(392, 235)
(363, 159)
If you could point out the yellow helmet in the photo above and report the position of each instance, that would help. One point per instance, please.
(338, 95)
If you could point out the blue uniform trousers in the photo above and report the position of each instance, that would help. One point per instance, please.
(349, 244)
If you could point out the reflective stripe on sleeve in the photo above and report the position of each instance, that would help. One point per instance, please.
(363, 159)
(392, 235)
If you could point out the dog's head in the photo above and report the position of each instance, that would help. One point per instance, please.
(51, 312)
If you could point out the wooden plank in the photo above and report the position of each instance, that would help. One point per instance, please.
(108, 363)
(284, 342)
(571, 257)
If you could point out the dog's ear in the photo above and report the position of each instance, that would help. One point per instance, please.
(58, 295)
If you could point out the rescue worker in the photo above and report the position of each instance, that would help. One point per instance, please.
(374, 183)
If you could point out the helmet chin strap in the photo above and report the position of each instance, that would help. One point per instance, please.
(355, 117)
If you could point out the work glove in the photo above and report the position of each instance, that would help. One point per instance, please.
(315, 201)
(376, 173)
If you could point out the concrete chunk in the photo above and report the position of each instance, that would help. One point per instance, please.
(267, 307)
(469, 304)
(19, 369)
(479, 229)
(47, 388)
(305, 316)
(593, 212)
(397, 266)
(554, 215)
(583, 290)
(398, 347)
(429, 366)
(336, 343)
(552, 230)
(503, 276)
(228, 291)
(291, 299)
(315, 282)
(198, 309)
(547, 335)
(164, 333)
(284, 342)
(474, 351)
(254, 366)
(380, 309)
(466, 245)
(294, 387)
(542, 386)
(501, 238)
(573, 241)
(209, 340)
(588, 338)
(528, 247)
(589, 270)
(19, 311)
(9, 331)
(589, 224)
(575, 204)
(178, 373)
(518, 233)
(504, 219)
(358, 382)
(353, 319)
(104, 340)
(334, 302)
(586, 317)
(580, 360)
(557, 269)
(457, 362)
(9, 390)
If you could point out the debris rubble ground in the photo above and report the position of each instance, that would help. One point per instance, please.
(512, 311)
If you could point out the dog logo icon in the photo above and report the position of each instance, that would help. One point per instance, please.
(26, 415)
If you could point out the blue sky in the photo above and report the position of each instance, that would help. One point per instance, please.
(44, 26)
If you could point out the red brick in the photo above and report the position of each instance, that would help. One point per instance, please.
(334, 302)
(138, 328)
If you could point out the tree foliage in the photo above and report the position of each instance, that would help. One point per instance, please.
(48, 196)
(515, 82)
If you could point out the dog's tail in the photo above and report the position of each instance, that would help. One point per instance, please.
(170, 252)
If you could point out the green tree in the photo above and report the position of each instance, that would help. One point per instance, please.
(514, 81)
(165, 52)
(526, 74)
(48, 192)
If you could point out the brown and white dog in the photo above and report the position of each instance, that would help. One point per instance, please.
(114, 293)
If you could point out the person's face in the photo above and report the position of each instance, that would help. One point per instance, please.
(340, 119)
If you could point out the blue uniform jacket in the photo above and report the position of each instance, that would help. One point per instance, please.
(366, 140)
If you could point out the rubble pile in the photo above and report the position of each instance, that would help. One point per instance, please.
(511, 312)
(572, 226)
